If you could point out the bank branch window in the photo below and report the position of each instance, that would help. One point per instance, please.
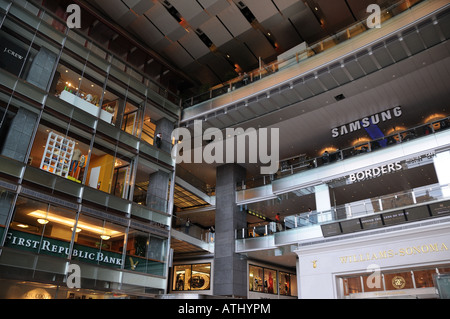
(98, 241)
(145, 253)
(41, 228)
(191, 277)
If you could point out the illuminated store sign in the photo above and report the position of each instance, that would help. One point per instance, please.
(367, 121)
(375, 172)
(58, 248)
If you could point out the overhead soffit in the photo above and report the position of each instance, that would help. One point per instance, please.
(289, 22)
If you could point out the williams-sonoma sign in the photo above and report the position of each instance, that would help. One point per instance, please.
(367, 121)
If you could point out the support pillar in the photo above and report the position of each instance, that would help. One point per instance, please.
(165, 127)
(323, 201)
(157, 191)
(230, 269)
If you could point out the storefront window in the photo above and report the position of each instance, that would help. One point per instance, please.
(109, 171)
(424, 278)
(270, 281)
(256, 279)
(148, 128)
(191, 277)
(285, 284)
(352, 285)
(31, 58)
(6, 198)
(98, 241)
(41, 228)
(59, 151)
(396, 281)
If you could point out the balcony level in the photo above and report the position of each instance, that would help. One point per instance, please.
(423, 162)
(299, 79)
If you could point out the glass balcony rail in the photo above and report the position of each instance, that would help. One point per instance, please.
(367, 207)
(193, 230)
(302, 163)
(320, 46)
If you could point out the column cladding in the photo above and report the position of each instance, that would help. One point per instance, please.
(230, 269)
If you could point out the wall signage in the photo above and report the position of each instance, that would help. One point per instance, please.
(375, 172)
(50, 246)
(367, 121)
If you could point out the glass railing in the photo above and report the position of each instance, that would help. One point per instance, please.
(320, 46)
(193, 230)
(303, 163)
(367, 207)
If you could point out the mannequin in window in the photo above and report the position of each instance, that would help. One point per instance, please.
(75, 160)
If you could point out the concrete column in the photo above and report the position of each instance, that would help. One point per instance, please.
(443, 173)
(230, 269)
(19, 135)
(323, 201)
(157, 191)
(41, 69)
(165, 127)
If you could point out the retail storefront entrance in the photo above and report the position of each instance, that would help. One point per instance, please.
(391, 262)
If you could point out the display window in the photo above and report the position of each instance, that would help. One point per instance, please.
(98, 241)
(109, 170)
(27, 54)
(60, 151)
(270, 281)
(145, 253)
(41, 228)
(390, 281)
(285, 284)
(256, 276)
(148, 127)
(192, 277)
(141, 181)
(82, 86)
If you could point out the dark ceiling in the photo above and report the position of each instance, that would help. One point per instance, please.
(211, 40)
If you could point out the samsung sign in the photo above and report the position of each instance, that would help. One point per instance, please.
(367, 121)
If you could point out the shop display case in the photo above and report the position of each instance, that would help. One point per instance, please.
(57, 154)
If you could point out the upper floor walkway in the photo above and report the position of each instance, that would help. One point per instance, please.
(406, 31)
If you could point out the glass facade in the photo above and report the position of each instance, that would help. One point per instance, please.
(77, 126)
(390, 282)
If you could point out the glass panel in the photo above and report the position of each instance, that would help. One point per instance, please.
(191, 277)
(41, 228)
(397, 281)
(59, 152)
(352, 285)
(6, 198)
(201, 277)
(256, 278)
(181, 276)
(285, 284)
(270, 281)
(424, 278)
(98, 241)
